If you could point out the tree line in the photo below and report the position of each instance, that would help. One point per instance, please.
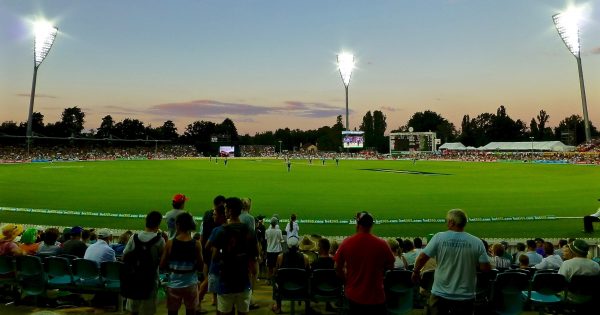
(476, 131)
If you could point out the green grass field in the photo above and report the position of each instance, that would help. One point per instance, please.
(312, 192)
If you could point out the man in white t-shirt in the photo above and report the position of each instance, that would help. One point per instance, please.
(579, 264)
(552, 260)
(459, 255)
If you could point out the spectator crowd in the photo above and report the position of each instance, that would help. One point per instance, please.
(232, 248)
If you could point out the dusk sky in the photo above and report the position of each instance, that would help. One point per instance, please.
(271, 64)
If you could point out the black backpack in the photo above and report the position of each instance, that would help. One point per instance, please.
(138, 277)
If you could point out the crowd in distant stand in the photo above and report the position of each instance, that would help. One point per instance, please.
(81, 153)
(232, 248)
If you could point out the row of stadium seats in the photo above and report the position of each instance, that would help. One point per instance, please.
(33, 276)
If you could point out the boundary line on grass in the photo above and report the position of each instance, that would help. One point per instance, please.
(304, 221)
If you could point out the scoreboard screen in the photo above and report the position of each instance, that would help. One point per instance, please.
(353, 139)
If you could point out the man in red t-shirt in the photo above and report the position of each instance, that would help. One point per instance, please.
(361, 261)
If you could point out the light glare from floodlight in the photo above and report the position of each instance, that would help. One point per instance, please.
(346, 65)
(45, 33)
(567, 24)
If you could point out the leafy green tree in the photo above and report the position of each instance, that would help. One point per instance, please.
(106, 128)
(573, 125)
(367, 127)
(432, 121)
(130, 129)
(72, 120)
(379, 127)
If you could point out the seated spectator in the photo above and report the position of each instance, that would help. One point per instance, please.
(506, 255)
(551, 261)
(534, 257)
(28, 242)
(409, 252)
(8, 246)
(49, 245)
(324, 261)
(520, 251)
(74, 246)
(418, 243)
(101, 251)
(399, 260)
(523, 262)
(498, 260)
(579, 264)
(539, 246)
(290, 259)
(559, 250)
(334, 247)
(85, 236)
(120, 245)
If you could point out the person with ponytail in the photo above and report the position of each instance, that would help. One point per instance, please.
(292, 227)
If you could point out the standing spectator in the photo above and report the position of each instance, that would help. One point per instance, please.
(534, 257)
(274, 240)
(458, 254)
(219, 220)
(8, 246)
(75, 246)
(248, 219)
(208, 224)
(245, 216)
(182, 256)
(292, 227)
(153, 219)
(236, 249)
(101, 251)
(579, 264)
(418, 242)
(552, 260)
(49, 246)
(361, 262)
(178, 205)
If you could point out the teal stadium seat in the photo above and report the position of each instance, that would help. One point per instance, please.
(87, 275)
(546, 290)
(292, 285)
(59, 273)
(326, 286)
(30, 276)
(399, 292)
(506, 293)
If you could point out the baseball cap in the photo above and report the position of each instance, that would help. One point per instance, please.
(274, 220)
(76, 230)
(180, 198)
(292, 241)
(103, 233)
(580, 247)
(364, 219)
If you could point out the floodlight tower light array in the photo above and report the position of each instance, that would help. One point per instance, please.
(567, 25)
(45, 34)
(346, 65)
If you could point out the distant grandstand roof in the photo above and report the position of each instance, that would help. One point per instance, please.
(555, 146)
(452, 146)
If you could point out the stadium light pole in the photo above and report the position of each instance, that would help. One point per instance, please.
(567, 24)
(531, 138)
(44, 35)
(345, 63)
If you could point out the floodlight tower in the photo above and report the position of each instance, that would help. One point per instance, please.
(345, 63)
(567, 25)
(44, 35)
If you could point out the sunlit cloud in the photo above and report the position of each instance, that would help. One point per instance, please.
(389, 109)
(596, 50)
(213, 108)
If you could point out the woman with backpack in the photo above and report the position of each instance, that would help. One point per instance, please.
(183, 258)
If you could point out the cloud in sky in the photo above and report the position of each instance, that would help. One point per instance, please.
(36, 95)
(596, 50)
(389, 109)
(213, 108)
